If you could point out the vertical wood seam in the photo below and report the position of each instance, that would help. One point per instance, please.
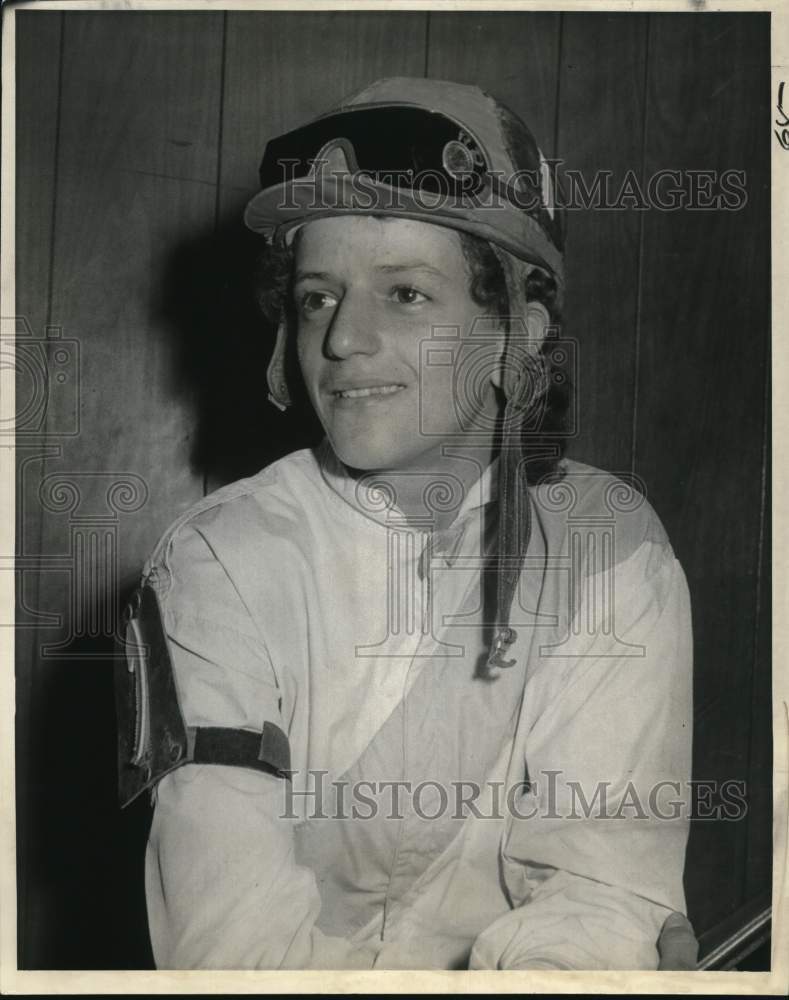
(758, 600)
(763, 500)
(221, 118)
(640, 256)
(427, 43)
(219, 148)
(55, 172)
(556, 106)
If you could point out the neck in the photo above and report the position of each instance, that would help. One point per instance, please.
(430, 495)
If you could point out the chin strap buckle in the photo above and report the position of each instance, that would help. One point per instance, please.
(505, 637)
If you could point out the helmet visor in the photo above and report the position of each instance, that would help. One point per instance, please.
(401, 146)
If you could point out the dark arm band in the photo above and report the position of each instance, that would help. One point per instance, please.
(153, 738)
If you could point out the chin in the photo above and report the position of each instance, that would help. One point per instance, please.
(365, 461)
(371, 457)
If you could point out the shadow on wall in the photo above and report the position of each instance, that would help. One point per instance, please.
(223, 345)
(84, 869)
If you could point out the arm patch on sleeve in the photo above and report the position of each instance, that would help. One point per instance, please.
(153, 738)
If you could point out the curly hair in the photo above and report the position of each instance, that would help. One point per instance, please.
(543, 447)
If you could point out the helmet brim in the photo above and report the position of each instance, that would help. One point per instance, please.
(278, 210)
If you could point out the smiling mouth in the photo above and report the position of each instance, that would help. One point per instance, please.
(362, 392)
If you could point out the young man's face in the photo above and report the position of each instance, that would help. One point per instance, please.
(370, 294)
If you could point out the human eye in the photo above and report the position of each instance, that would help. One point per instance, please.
(314, 301)
(311, 303)
(407, 295)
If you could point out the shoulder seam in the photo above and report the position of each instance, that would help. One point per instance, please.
(233, 491)
(226, 494)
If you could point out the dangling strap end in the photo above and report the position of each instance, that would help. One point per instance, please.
(505, 637)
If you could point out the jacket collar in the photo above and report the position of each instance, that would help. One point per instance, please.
(374, 496)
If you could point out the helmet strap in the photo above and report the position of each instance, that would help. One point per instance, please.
(524, 382)
(279, 393)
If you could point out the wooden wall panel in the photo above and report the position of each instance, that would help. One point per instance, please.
(137, 161)
(37, 85)
(600, 98)
(702, 366)
(513, 56)
(759, 856)
(137, 173)
(267, 90)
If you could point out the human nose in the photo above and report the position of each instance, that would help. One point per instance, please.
(353, 329)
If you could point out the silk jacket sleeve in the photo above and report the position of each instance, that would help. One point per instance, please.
(223, 889)
(593, 860)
